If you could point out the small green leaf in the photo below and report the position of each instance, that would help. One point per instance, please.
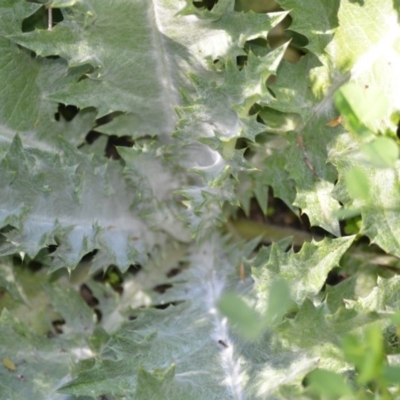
(396, 318)
(382, 152)
(367, 354)
(242, 316)
(328, 383)
(361, 107)
(278, 301)
(345, 106)
(357, 183)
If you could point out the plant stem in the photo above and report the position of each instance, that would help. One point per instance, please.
(49, 18)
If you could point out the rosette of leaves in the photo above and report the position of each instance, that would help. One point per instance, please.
(166, 74)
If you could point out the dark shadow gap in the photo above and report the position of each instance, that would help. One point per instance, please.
(39, 19)
(208, 4)
(108, 118)
(162, 288)
(57, 326)
(166, 305)
(182, 265)
(271, 92)
(134, 269)
(112, 276)
(31, 53)
(92, 136)
(68, 112)
(87, 296)
(99, 315)
(117, 141)
(89, 256)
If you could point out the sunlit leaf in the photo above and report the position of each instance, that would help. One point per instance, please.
(327, 383)
(357, 183)
(382, 152)
(240, 315)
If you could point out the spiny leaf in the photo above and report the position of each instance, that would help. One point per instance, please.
(27, 83)
(379, 210)
(72, 198)
(319, 32)
(370, 58)
(36, 358)
(166, 50)
(306, 271)
(171, 346)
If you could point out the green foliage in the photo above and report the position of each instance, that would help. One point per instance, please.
(361, 107)
(130, 276)
(328, 384)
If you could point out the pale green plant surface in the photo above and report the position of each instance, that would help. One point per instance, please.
(215, 118)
